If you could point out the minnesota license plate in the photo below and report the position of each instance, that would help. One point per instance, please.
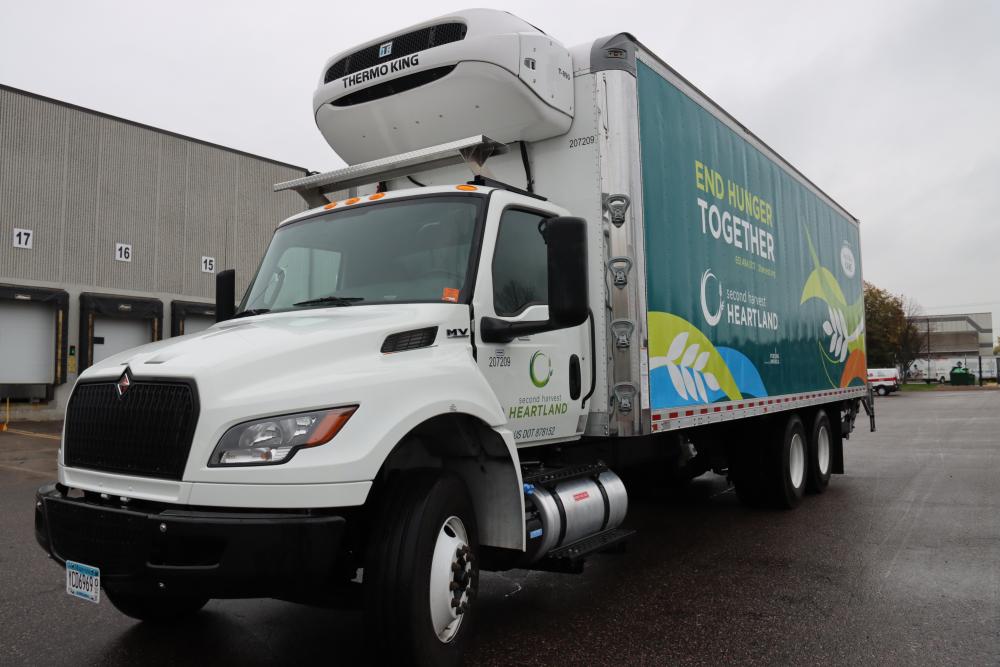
(83, 581)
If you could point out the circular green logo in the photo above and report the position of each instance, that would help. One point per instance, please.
(540, 379)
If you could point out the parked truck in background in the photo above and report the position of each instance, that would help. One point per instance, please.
(939, 369)
(544, 268)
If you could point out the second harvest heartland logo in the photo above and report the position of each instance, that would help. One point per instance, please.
(540, 369)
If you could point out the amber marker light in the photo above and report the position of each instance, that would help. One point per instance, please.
(329, 426)
(353, 200)
(377, 195)
(466, 188)
(330, 205)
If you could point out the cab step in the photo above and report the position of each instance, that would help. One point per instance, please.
(570, 559)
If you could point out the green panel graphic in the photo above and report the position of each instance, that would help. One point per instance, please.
(746, 266)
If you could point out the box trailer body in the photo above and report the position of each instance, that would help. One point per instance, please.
(630, 280)
(732, 263)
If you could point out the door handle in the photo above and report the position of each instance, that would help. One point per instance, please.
(575, 383)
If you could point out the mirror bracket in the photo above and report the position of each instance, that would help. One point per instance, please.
(495, 330)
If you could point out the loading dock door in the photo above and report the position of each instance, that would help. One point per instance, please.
(196, 323)
(188, 317)
(34, 326)
(114, 335)
(110, 324)
(27, 338)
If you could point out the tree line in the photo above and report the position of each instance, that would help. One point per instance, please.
(893, 338)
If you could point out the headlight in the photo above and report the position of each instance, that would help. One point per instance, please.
(274, 440)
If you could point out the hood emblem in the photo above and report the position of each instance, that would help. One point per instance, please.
(124, 382)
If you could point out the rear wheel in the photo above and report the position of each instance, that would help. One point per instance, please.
(156, 608)
(788, 464)
(422, 572)
(881, 391)
(820, 453)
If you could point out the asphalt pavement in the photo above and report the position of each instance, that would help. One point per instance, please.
(897, 563)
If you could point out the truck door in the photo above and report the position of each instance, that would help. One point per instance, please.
(540, 379)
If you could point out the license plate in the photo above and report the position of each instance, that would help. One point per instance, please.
(83, 581)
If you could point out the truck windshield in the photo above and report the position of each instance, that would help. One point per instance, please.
(415, 250)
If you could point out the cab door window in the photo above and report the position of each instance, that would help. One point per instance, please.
(520, 263)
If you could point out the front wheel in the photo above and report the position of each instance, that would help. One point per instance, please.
(421, 571)
(881, 391)
(156, 608)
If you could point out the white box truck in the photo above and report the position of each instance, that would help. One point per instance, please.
(544, 267)
(939, 369)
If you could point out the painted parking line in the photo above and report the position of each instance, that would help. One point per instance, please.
(47, 436)
(29, 471)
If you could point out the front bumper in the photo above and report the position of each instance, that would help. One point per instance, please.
(169, 549)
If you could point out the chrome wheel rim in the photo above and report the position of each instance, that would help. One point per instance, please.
(451, 578)
(823, 450)
(796, 461)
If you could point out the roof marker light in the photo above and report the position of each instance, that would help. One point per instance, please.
(377, 195)
(466, 188)
(329, 206)
(353, 200)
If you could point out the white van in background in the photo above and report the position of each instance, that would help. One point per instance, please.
(884, 380)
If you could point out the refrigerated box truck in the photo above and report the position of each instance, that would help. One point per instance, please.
(544, 268)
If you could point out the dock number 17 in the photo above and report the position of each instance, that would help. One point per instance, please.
(23, 238)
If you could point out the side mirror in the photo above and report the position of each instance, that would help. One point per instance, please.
(566, 242)
(225, 295)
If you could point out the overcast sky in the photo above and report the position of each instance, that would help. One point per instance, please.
(892, 107)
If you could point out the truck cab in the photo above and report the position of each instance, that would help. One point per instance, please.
(397, 345)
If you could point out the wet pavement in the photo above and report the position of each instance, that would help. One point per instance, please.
(897, 563)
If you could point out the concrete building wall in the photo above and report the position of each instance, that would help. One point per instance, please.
(83, 182)
(959, 333)
(965, 338)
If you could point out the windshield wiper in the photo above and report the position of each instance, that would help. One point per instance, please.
(251, 311)
(331, 300)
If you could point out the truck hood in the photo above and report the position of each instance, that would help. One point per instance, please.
(266, 348)
(300, 361)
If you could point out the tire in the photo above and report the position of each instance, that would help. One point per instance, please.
(156, 608)
(420, 564)
(788, 465)
(881, 391)
(820, 453)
